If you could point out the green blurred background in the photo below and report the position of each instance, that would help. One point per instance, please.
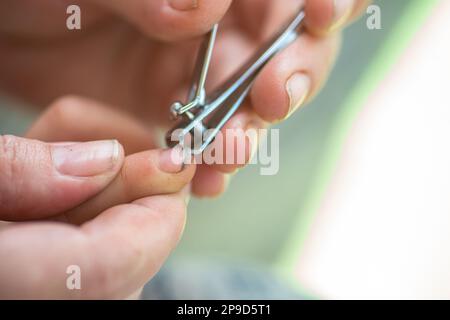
(254, 219)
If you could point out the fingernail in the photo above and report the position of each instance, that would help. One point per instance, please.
(172, 160)
(342, 11)
(86, 159)
(184, 5)
(298, 87)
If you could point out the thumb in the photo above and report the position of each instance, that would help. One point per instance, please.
(39, 180)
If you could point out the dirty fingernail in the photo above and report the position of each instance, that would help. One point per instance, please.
(184, 5)
(298, 87)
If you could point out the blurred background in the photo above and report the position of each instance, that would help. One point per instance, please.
(253, 241)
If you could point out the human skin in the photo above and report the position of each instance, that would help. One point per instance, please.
(117, 244)
(138, 56)
(135, 56)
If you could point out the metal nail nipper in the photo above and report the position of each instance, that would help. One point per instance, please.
(204, 115)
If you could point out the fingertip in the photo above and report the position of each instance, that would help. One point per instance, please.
(52, 178)
(156, 170)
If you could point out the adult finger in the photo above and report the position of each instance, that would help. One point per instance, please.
(114, 254)
(327, 16)
(294, 76)
(39, 180)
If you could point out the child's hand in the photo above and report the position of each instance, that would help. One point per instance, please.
(134, 54)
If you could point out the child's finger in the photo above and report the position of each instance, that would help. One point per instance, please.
(208, 182)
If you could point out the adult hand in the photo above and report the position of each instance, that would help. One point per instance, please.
(138, 55)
